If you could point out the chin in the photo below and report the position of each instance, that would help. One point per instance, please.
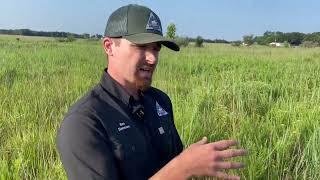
(144, 85)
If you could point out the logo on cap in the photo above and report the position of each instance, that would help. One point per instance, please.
(153, 23)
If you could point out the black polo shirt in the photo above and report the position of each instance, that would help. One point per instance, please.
(109, 135)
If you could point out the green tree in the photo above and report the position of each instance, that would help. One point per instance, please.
(199, 41)
(171, 31)
(314, 37)
(236, 43)
(261, 40)
(70, 38)
(248, 39)
(182, 41)
(295, 38)
(85, 35)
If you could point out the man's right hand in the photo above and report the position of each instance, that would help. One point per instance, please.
(203, 159)
(210, 159)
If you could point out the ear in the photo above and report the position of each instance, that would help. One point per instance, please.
(107, 45)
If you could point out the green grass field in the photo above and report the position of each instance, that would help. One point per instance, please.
(267, 98)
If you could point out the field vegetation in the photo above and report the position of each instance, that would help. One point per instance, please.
(267, 98)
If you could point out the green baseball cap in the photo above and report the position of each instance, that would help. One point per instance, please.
(139, 25)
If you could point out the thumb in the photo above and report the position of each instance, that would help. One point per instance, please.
(204, 140)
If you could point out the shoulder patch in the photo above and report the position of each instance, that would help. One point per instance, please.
(160, 110)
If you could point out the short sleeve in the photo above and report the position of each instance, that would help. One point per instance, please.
(84, 149)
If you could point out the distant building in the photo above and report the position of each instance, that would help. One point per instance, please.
(244, 44)
(276, 44)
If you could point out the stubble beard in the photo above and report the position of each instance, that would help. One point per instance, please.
(143, 84)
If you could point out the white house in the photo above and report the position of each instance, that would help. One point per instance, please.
(276, 44)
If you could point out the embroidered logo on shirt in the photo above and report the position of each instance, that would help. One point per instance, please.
(160, 110)
(123, 126)
(153, 23)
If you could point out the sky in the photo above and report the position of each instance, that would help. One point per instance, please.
(211, 19)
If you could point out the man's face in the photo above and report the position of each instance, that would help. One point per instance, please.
(136, 63)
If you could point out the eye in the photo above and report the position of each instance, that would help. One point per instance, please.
(140, 46)
(151, 46)
(157, 47)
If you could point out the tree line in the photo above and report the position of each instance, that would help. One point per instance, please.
(28, 32)
(184, 41)
(292, 38)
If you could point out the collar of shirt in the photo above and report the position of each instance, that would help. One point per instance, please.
(115, 89)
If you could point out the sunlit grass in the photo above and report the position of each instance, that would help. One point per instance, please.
(267, 98)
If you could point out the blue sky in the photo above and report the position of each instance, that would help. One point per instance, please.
(222, 19)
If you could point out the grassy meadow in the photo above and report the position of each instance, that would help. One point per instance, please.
(267, 98)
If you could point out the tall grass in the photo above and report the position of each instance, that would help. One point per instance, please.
(267, 98)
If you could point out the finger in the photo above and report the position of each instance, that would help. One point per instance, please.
(224, 144)
(228, 165)
(204, 140)
(223, 175)
(229, 153)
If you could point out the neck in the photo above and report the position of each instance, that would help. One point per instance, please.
(128, 87)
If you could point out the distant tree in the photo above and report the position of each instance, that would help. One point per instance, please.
(261, 40)
(279, 36)
(70, 38)
(25, 32)
(96, 36)
(309, 44)
(99, 36)
(248, 39)
(292, 38)
(236, 43)
(171, 31)
(269, 37)
(268, 33)
(295, 38)
(286, 44)
(313, 37)
(220, 41)
(182, 41)
(86, 35)
(199, 41)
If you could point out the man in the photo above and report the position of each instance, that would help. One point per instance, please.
(123, 128)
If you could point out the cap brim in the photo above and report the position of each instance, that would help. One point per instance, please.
(145, 38)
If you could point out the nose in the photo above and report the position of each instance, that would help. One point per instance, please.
(152, 56)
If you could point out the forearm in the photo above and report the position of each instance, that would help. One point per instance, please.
(174, 170)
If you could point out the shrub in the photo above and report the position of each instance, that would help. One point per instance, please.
(93, 39)
(236, 43)
(67, 39)
(309, 44)
(286, 44)
(182, 41)
(199, 41)
(70, 39)
(60, 39)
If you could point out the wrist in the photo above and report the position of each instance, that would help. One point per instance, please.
(174, 170)
(182, 167)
